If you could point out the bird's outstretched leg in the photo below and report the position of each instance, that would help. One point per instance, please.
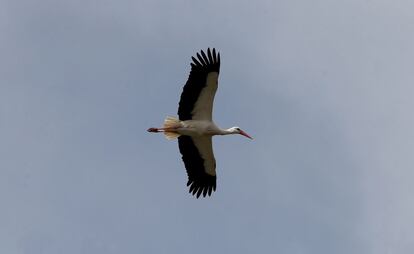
(152, 129)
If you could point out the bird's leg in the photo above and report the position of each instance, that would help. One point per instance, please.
(171, 129)
(152, 129)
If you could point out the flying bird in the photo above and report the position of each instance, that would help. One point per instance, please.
(195, 127)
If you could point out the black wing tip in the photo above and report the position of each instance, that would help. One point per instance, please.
(209, 61)
(202, 189)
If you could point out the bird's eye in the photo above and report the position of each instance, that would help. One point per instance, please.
(238, 129)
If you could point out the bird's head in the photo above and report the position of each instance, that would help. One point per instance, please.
(237, 130)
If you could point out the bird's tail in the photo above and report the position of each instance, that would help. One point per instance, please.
(171, 122)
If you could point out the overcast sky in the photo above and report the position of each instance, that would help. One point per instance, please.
(325, 88)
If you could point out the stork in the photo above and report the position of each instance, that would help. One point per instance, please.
(195, 127)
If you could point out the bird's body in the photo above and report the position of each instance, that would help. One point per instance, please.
(195, 127)
(198, 128)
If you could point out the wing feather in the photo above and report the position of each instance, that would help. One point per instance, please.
(204, 57)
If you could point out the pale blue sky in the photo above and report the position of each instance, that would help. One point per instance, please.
(325, 87)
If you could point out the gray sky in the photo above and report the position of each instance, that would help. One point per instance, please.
(325, 87)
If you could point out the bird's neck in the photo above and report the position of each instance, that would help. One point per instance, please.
(226, 132)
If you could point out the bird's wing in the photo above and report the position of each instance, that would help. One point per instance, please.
(198, 158)
(196, 102)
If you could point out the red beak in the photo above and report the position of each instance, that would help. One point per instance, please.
(245, 134)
